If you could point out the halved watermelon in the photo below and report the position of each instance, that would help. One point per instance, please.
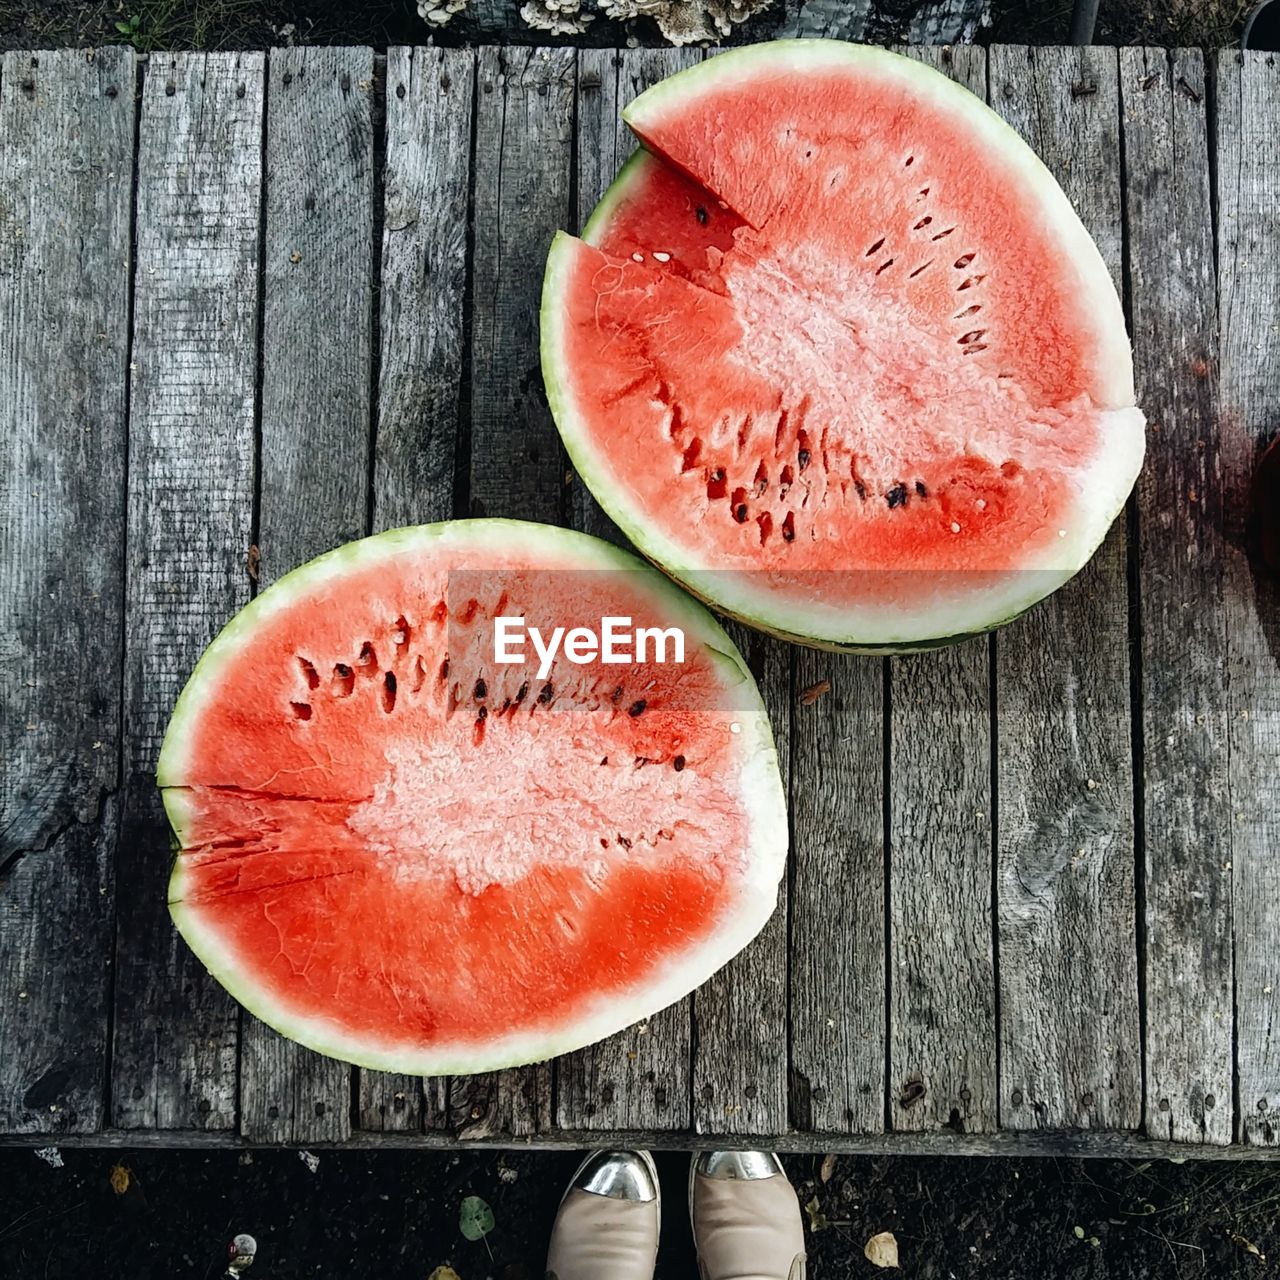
(835, 351)
(402, 853)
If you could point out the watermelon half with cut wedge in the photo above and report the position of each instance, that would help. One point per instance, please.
(836, 352)
(403, 853)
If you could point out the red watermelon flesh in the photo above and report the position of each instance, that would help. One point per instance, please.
(837, 353)
(403, 854)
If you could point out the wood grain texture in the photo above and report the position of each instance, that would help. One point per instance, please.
(1063, 1144)
(1248, 210)
(191, 481)
(639, 1078)
(740, 1013)
(429, 96)
(426, 206)
(524, 116)
(1186, 809)
(524, 119)
(942, 996)
(316, 332)
(66, 166)
(826, 19)
(1069, 1035)
(837, 1025)
(948, 21)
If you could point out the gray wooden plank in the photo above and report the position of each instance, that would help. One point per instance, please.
(948, 21)
(838, 895)
(426, 194)
(524, 119)
(191, 480)
(740, 1014)
(1185, 810)
(1070, 1041)
(942, 997)
(66, 165)
(430, 101)
(639, 1078)
(1248, 210)
(316, 333)
(524, 114)
(828, 19)
(1111, 1144)
(424, 270)
(942, 1017)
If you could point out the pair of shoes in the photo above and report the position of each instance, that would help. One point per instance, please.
(746, 1219)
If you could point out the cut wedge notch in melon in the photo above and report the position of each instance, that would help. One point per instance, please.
(403, 854)
(836, 352)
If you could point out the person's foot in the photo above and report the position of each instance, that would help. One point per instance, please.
(746, 1217)
(607, 1227)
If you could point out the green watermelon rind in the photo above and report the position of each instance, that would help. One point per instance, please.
(1108, 485)
(760, 786)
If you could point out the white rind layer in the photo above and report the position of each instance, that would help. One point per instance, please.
(760, 787)
(1103, 487)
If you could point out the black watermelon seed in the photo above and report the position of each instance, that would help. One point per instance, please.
(703, 218)
(897, 496)
(481, 689)
(482, 715)
(861, 488)
(678, 763)
(444, 669)
(522, 693)
(623, 841)
(604, 760)
(804, 458)
(617, 693)
(637, 707)
(740, 513)
(921, 490)
(548, 692)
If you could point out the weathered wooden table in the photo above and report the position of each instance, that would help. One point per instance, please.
(258, 305)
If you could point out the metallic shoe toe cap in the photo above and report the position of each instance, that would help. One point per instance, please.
(738, 1165)
(620, 1175)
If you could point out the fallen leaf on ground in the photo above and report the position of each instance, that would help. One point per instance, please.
(882, 1250)
(828, 1167)
(119, 1179)
(475, 1218)
(810, 695)
(1249, 1247)
(444, 1273)
(310, 1159)
(817, 1219)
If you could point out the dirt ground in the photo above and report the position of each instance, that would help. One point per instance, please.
(245, 24)
(159, 1215)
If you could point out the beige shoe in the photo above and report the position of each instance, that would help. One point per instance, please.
(746, 1217)
(607, 1227)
